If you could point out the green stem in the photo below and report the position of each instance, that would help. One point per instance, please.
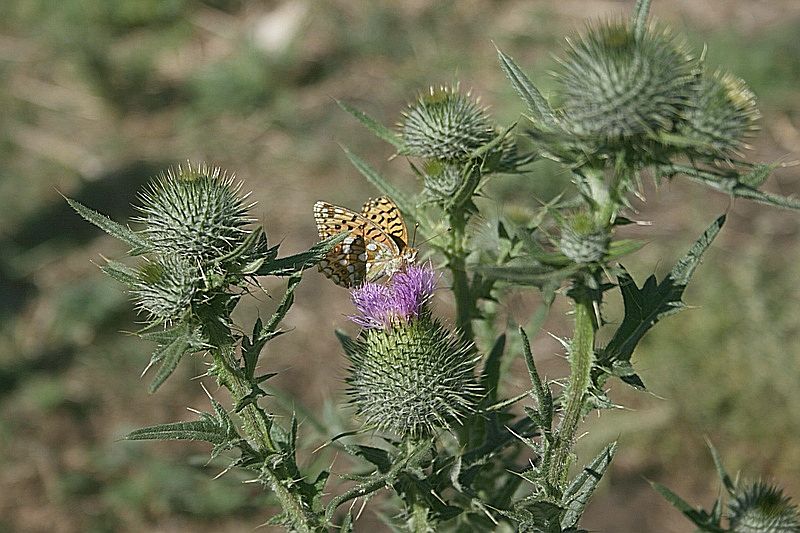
(257, 425)
(255, 421)
(581, 358)
(419, 517)
(292, 505)
(456, 261)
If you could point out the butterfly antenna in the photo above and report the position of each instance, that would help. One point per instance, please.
(414, 235)
(429, 239)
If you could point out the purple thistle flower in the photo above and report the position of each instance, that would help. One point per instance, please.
(403, 298)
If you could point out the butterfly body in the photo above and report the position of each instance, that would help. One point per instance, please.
(376, 244)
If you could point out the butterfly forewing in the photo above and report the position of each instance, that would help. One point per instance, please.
(385, 214)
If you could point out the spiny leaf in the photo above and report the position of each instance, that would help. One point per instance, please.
(537, 104)
(286, 266)
(218, 430)
(654, 301)
(544, 397)
(491, 369)
(185, 341)
(723, 475)
(699, 517)
(372, 175)
(137, 243)
(734, 185)
(376, 456)
(121, 272)
(381, 131)
(581, 488)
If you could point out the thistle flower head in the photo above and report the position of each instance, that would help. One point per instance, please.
(196, 212)
(409, 374)
(722, 114)
(445, 124)
(619, 89)
(166, 288)
(401, 300)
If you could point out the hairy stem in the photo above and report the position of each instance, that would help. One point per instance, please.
(255, 421)
(291, 503)
(581, 358)
(257, 424)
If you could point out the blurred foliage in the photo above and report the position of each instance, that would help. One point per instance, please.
(96, 96)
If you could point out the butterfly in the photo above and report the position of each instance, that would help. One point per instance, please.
(376, 246)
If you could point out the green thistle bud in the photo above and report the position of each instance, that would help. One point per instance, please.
(409, 374)
(761, 508)
(582, 241)
(165, 289)
(723, 113)
(442, 179)
(445, 125)
(412, 378)
(195, 212)
(620, 89)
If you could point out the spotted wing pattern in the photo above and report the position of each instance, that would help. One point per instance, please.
(386, 215)
(375, 247)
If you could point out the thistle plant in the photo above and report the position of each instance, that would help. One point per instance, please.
(433, 428)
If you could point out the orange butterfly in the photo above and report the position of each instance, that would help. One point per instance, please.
(377, 244)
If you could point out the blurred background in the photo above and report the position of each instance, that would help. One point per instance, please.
(97, 96)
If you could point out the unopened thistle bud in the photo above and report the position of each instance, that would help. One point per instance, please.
(445, 125)
(195, 212)
(723, 113)
(582, 241)
(761, 508)
(442, 179)
(409, 374)
(166, 288)
(620, 89)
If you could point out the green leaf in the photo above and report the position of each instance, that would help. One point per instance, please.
(623, 247)
(582, 486)
(121, 272)
(654, 301)
(534, 275)
(286, 266)
(245, 248)
(699, 517)
(137, 243)
(543, 394)
(727, 482)
(185, 341)
(381, 131)
(734, 184)
(217, 429)
(537, 104)
(376, 456)
(372, 175)
(490, 376)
